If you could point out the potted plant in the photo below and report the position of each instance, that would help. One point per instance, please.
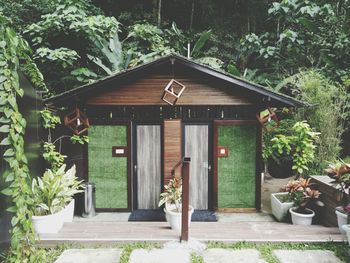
(290, 148)
(172, 198)
(280, 205)
(302, 192)
(340, 173)
(53, 202)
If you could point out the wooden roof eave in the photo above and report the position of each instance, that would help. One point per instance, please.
(268, 97)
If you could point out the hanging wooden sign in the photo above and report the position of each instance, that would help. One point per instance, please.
(77, 121)
(172, 92)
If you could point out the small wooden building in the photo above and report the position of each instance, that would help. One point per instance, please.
(136, 138)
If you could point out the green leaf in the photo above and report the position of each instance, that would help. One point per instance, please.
(5, 141)
(6, 191)
(233, 70)
(14, 221)
(12, 102)
(200, 43)
(9, 177)
(11, 209)
(4, 120)
(5, 128)
(309, 25)
(9, 152)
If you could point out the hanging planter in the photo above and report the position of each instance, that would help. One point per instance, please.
(77, 121)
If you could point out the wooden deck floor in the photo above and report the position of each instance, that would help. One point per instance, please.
(108, 233)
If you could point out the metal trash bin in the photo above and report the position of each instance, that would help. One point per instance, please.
(89, 200)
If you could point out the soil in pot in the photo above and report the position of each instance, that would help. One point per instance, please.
(281, 167)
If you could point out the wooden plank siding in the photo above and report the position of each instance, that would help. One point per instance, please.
(172, 144)
(326, 215)
(148, 90)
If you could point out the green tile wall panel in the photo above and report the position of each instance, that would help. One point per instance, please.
(107, 172)
(236, 173)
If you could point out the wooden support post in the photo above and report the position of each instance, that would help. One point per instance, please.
(185, 197)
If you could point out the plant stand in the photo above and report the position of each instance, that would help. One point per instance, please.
(279, 208)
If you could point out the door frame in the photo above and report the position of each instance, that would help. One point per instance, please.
(99, 122)
(134, 158)
(258, 164)
(211, 203)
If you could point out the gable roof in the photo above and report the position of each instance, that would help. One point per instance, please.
(129, 73)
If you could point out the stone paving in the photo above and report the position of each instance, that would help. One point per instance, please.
(293, 256)
(216, 255)
(173, 253)
(105, 255)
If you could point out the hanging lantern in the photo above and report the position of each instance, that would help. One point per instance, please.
(267, 116)
(172, 92)
(77, 121)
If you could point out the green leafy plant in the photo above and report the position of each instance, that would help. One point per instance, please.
(52, 156)
(49, 120)
(79, 139)
(14, 54)
(300, 145)
(54, 190)
(172, 194)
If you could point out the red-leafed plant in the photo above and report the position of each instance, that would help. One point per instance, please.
(340, 173)
(302, 192)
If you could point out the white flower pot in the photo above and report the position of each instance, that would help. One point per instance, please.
(342, 219)
(280, 209)
(67, 213)
(301, 219)
(346, 229)
(174, 218)
(47, 224)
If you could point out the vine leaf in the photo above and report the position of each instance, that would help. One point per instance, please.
(7, 191)
(5, 141)
(5, 128)
(9, 152)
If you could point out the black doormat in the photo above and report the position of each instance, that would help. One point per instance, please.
(158, 215)
(147, 215)
(203, 216)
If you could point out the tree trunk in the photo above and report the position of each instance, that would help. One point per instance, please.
(192, 14)
(159, 12)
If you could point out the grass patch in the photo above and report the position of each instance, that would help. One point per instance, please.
(341, 250)
(196, 258)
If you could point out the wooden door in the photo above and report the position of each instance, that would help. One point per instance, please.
(197, 147)
(148, 166)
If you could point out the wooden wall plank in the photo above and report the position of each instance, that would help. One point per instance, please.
(172, 144)
(148, 90)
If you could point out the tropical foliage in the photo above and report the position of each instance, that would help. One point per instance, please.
(14, 54)
(54, 190)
